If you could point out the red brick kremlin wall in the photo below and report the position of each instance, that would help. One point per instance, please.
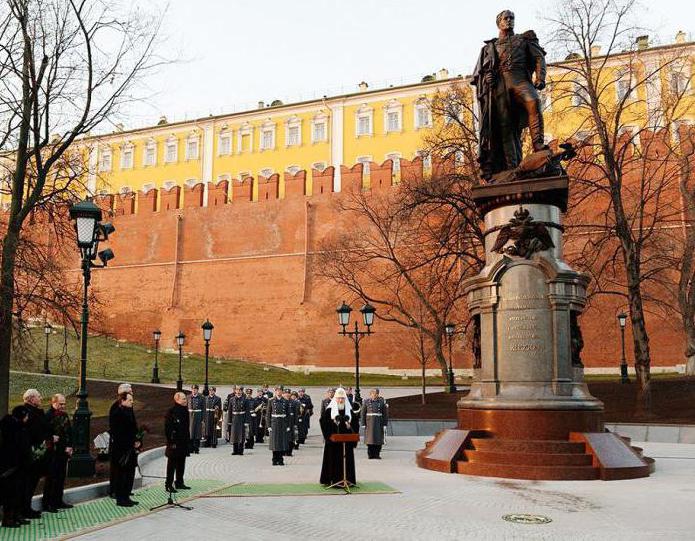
(247, 266)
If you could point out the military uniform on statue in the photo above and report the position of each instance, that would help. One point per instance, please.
(338, 418)
(237, 410)
(306, 411)
(213, 413)
(196, 405)
(176, 431)
(277, 419)
(375, 418)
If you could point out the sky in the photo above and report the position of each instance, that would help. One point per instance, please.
(230, 54)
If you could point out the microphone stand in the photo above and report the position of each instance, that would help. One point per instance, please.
(171, 500)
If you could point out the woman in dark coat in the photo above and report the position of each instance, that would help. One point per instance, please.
(338, 418)
(124, 444)
(15, 457)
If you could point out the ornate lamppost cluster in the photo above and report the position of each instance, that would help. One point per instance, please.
(357, 335)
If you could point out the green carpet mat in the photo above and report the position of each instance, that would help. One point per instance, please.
(299, 489)
(102, 512)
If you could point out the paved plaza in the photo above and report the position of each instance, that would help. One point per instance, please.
(429, 505)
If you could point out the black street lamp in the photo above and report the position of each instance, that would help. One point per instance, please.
(87, 218)
(622, 319)
(180, 338)
(343, 312)
(207, 335)
(157, 335)
(47, 329)
(450, 329)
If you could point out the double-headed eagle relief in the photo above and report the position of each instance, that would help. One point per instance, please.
(509, 75)
(528, 236)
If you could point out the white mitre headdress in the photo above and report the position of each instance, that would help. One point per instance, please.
(333, 405)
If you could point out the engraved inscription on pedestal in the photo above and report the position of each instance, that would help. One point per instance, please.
(524, 326)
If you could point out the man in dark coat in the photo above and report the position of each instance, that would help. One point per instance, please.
(338, 419)
(306, 412)
(15, 457)
(176, 430)
(227, 423)
(261, 399)
(507, 96)
(277, 419)
(58, 455)
(124, 445)
(122, 388)
(326, 400)
(213, 413)
(254, 405)
(40, 438)
(196, 405)
(375, 418)
(292, 413)
(239, 418)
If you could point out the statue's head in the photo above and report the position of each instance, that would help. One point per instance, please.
(505, 20)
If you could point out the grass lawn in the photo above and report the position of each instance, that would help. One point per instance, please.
(111, 359)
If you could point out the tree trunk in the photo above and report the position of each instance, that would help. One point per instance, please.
(640, 344)
(423, 362)
(441, 359)
(689, 327)
(9, 253)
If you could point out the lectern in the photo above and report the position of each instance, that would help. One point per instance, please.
(344, 439)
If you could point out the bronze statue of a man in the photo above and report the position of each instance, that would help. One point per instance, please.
(510, 71)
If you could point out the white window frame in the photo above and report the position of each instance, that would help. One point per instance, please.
(195, 140)
(682, 73)
(364, 113)
(580, 95)
(293, 169)
(421, 105)
(319, 120)
(245, 130)
(127, 149)
(426, 159)
(292, 124)
(172, 142)
(321, 166)
(267, 130)
(365, 161)
(150, 146)
(105, 160)
(225, 135)
(393, 107)
(623, 76)
(396, 158)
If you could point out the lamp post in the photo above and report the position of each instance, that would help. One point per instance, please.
(157, 335)
(207, 335)
(450, 329)
(622, 319)
(180, 338)
(367, 312)
(87, 218)
(47, 329)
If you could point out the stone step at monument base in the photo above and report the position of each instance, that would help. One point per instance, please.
(583, 456)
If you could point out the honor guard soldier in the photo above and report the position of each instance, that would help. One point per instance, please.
(196, 404)
(213, 414)
(262, 400)
(298, 414)
(375, 419)
(228, 416)
(239, 415)
(306, 412)
(254, 407)
(292, 419)
(277, 419)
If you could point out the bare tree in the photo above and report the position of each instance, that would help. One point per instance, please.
(67, 67)
(625, 168)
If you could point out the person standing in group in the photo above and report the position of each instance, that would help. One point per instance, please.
(124, 446)
(227, 423)
(254, 406)
(375, 419)
(326, 400)
(40, 438)
(292, 421)
(58, 455)
(176, 430)
(338, 418)
(261, 399)
(196, 404)
(15, 458)
(277, 420)
(238, 413)
(307, 412)
(122, 388)
(298, 414)
(213, 413)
